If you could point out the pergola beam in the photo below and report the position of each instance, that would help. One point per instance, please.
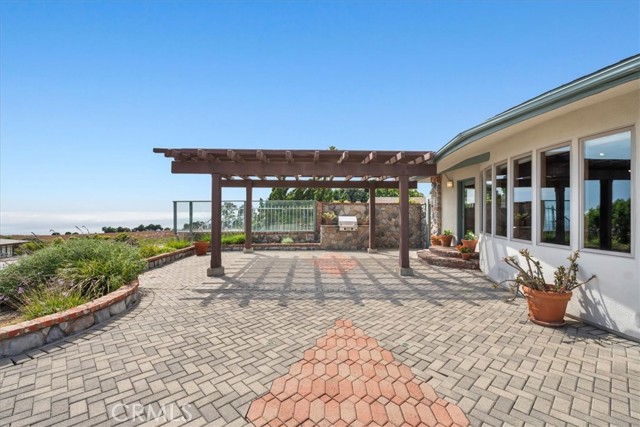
(311, 184)
(305, 169)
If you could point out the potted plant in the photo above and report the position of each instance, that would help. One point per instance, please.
(202, 245)
(465, 252)
(470, 240)
(329, 217)
(446, 238)
(547, 303)
(435, 240)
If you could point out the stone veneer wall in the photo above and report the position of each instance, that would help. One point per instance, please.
(387, 226)
(436, 210)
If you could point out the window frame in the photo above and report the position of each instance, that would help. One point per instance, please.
(534, 205)
(632, 190)
(494, 203)
(538, 189)
(484, 201)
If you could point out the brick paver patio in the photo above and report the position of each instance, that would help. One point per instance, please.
(202, 349)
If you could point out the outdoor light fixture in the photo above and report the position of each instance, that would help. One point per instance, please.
(449, 181)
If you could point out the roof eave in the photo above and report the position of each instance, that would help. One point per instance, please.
(607, 78)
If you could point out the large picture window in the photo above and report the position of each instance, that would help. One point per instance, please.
(555, 196)
(488, 192)
(607, 192)
(501, 200)
(522, 196)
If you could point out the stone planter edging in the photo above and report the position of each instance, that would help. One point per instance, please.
(16, 339)
(169, 257)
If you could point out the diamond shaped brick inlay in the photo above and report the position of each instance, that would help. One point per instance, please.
(348, 379)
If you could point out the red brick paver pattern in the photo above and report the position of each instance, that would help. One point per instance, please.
(347, 379)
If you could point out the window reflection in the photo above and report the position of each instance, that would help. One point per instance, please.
(522, 198)
(607, 192)
(555, 199)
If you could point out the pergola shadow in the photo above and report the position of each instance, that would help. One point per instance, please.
(340, 277)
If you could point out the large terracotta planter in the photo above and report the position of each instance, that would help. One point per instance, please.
(547, 308)
(201, 248)
(471, 244)
(446, 240)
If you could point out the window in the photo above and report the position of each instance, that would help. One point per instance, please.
(487, 200)
(522, 198)
(555, 199)
(607, 192)
(501, 200)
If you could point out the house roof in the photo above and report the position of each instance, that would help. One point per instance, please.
(11, 242)
(591, 84)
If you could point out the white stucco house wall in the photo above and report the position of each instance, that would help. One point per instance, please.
(558, 173)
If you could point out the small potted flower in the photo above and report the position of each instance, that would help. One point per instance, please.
(446, 238)
(470, 240)
(435, 240)
(465, 252)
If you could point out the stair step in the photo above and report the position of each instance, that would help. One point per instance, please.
(449, 252)
(431, 257)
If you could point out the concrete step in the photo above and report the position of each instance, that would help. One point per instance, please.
(449, 252)
(432, 258)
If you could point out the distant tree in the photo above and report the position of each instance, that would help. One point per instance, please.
(108, 229)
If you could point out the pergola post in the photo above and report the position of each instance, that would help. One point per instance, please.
(405, 269)
(247, 219)
(372, 218)
(216, 268)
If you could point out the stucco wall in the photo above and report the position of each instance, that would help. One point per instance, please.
(613, 299)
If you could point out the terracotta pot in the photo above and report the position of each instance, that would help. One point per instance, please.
(435, 242)
(471, 244)
(547, 308)
(201, 248)
(466, 256)
(446, 240)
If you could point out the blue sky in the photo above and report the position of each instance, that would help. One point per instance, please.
(87, 89)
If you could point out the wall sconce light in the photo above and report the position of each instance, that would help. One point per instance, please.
(449, 184)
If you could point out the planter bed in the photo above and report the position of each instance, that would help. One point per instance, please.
(24, 336)
(169, 257)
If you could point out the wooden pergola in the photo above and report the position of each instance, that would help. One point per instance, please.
(304, 169)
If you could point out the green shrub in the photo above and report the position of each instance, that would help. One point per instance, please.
(147, 251)
(30, 247)
(96, 267)
(178, 244)
(233, 239)
(45, 300)
(286, 240)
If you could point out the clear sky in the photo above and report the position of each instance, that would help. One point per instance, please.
(88, 88)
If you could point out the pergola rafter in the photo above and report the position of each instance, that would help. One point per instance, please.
(357, 169)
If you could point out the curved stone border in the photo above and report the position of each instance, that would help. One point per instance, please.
(169, 257)
(16, 339)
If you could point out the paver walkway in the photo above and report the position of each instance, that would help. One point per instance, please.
(203, 349)
(347, 379)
